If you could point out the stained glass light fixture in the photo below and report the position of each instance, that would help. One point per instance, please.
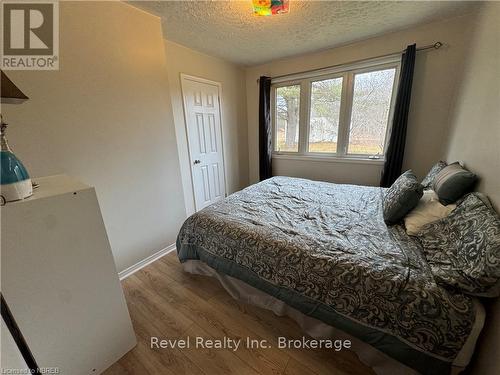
(270, 7)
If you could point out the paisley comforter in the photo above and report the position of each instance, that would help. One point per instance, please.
(325, 250)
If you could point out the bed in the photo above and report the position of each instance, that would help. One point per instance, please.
(323, 251)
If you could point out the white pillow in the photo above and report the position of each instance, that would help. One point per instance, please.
(428, 209)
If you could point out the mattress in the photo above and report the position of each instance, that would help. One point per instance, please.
(324, 250)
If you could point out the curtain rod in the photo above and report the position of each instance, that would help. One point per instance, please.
(436, 45)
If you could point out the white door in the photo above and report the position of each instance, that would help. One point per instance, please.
(202, 112)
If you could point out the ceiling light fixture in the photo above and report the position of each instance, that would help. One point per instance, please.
(270, 7)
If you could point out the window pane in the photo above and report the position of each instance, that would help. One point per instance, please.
(370, 111)
(325, 111)
(287, 118)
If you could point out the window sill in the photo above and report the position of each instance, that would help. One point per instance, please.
(329, 159)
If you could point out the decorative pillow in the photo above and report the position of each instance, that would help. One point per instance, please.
(429, 179)
(401, 197)
(463, 249)
(428, 210)
(452, 182)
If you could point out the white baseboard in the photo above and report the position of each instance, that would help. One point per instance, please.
(143, 263)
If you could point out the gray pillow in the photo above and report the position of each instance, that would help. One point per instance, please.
(401, 197)
(431, 176)
(452, 182)
(463, 249)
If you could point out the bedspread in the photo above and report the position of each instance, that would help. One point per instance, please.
(324, 249)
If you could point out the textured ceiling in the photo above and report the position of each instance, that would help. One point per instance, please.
(229, 30)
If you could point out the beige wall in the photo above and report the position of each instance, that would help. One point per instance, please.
(475, 133)
(475, 139)
(436, 76)
(234, 128)
(105, 117)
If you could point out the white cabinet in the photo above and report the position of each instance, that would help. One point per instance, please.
(59, 278)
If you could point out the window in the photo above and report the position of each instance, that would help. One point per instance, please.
(324, 115)
(340, 113)
(370, 112)
(287, 118)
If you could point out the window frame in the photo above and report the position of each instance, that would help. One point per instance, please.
(347, 72)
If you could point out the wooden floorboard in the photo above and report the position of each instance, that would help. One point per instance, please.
(166, 302)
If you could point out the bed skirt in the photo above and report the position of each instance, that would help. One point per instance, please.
(367, 354)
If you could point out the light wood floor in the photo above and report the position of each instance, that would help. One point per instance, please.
(166, 302)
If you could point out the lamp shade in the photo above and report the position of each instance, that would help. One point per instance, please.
(10, 93)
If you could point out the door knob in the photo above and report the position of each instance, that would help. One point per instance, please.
(197, 161)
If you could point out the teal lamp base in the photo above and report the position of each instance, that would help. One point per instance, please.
(15, 181)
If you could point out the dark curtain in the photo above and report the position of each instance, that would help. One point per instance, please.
(265, 131)
(396, 149)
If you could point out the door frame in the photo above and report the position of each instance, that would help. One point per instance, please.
(186, 77)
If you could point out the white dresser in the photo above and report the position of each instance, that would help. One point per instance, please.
(59, 279)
